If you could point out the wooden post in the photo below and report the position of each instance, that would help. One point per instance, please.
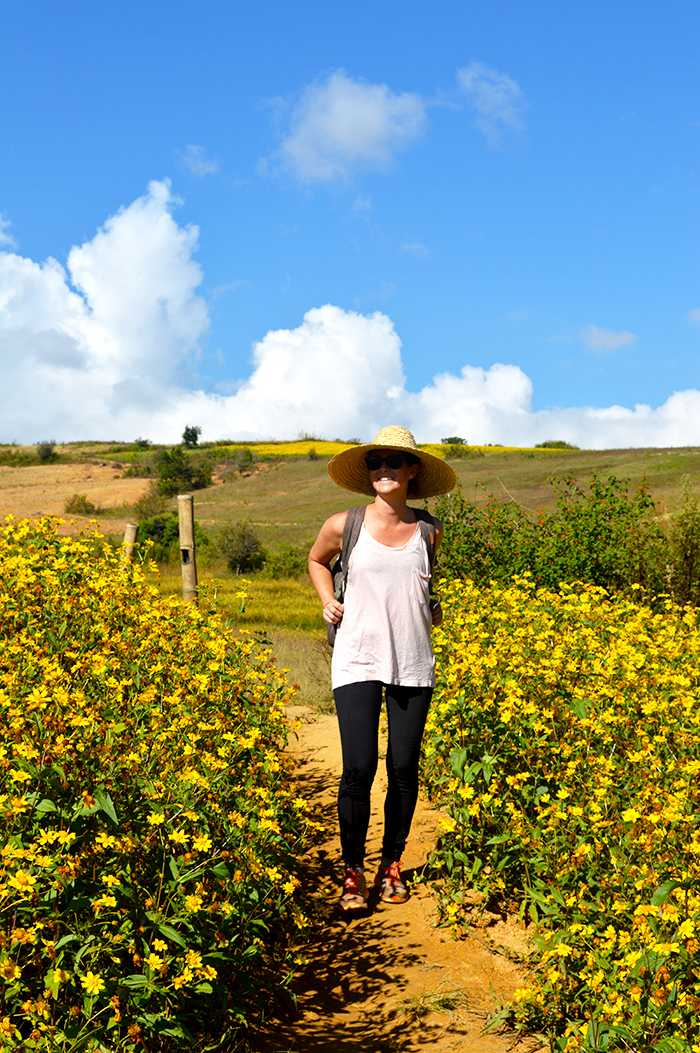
(130, 535)
(185, 508)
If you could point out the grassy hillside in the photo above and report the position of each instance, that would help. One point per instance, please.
(288, 499)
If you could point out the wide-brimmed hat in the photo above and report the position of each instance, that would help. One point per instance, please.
(348, 469)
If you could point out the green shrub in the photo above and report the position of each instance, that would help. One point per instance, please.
(555, 444)
(164, 531)
(685, 546)
(178, 473)
(288, 562)
(46, 451)
(240, 544)
(79, 504)
(151, 503)
(601, 535)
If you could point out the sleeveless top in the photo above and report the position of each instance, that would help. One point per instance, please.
(385, 631)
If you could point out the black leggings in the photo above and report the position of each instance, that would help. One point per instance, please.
(358, 707)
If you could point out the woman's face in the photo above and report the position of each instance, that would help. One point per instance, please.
(386, 480)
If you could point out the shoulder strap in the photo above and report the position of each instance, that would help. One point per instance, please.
(353, 525)
(427, 529)
(351, 532)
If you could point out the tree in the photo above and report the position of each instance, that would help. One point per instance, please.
(190, 436)
(177, 473)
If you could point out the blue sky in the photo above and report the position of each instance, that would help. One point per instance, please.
(265, 219)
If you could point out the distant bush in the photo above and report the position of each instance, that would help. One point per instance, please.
(555, 444)
(138, 470)
(312, 455)
(288, 562)
(46, 451)
(142, 444)
(178, 473)
(164, 531)
(454, 440)
(16, 457)
(241, 458)
(240, 545)
(79, 504)
(151, 503)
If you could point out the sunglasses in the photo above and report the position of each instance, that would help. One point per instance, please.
(374, 461)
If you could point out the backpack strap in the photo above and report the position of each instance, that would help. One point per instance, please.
(427, 529)
(351, 532)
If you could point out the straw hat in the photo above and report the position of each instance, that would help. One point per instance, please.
(348, 469)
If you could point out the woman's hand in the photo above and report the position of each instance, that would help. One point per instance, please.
(333, 611)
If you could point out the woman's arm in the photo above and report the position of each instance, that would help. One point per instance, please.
(325, 548)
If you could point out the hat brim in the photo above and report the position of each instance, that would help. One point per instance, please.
(348, 469)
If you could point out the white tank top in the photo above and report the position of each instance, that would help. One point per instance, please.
(385, 631)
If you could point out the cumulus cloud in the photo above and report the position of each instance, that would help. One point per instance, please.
(497, 99)
(340, 125)
(101, 350)
(6, 239)
(602, 341)
(198, 161)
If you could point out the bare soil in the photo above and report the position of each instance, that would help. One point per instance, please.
(41, 490)
(375, 983)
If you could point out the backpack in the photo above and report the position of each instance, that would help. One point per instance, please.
(353, 525)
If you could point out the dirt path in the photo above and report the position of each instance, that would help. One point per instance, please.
(374, 984)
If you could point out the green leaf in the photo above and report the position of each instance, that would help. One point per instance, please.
(222, 871)
(64, 940)
(579, 708)
(204, 988)
(664, 891)
(135, 980)
(172, 934)
(458, 760)
(46, 806)
(51, 983)
(106, 804)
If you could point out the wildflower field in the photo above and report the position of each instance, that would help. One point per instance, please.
(564, 743)
(149, 820)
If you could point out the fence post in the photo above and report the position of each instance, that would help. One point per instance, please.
(185, 508)
(130, 535)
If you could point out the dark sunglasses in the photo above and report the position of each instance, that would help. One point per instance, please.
(374, 461)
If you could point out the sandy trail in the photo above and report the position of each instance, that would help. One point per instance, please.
(369, 982)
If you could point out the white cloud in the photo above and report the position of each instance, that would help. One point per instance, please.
(108, 358)
(496, 97)
(5, 238)
(519, 316)
(340, 125)
(604, 340)
(197, 160)
(416, 248)
(693, 317)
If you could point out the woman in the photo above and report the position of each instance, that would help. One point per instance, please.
(382, 644)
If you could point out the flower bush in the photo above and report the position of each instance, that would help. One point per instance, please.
(147, 882)
(564, 743)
